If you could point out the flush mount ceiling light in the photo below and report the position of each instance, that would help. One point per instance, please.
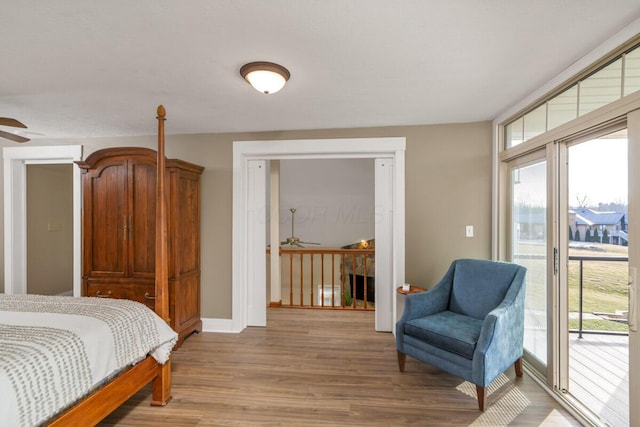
(265, 77)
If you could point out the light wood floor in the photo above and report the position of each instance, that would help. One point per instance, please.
(326, 368)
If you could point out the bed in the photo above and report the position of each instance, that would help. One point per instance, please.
(72, 361)
(55, 350)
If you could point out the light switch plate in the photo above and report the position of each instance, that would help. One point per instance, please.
(469, 231)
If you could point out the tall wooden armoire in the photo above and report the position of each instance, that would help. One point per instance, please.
(119, 199)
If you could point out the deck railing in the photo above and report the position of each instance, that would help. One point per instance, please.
(324, 278)
(581, 260)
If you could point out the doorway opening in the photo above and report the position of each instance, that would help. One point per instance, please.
(15, 161)
(50, 229)
(596, 371)
(326, 234)
(249, 298)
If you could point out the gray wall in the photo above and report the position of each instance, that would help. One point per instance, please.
(448, 186)
(49, 229)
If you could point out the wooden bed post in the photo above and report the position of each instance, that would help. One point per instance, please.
(95, 407)
(162, 383)
(162, 271)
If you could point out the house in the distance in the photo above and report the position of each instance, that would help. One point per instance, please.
(589, 225)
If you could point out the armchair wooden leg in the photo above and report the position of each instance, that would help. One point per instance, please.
(401, 359)
(481, 397)
(518, 366)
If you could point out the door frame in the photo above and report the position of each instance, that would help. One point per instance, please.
(633, 140)
(541, 155)
(15, 164)
(624, 111)
(248, 258)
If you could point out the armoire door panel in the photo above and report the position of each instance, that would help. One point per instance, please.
(189, 189)
(106, 244)
(188, 309)
(142, 210)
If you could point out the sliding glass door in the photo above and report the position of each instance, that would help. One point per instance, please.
(594, 300)
(529, 247)
(569, 222)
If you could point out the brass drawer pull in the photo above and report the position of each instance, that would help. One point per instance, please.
(147, 296)
(107, 295)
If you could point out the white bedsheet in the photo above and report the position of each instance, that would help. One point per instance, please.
(55, 350)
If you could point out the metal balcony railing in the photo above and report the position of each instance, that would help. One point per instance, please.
(588, 259)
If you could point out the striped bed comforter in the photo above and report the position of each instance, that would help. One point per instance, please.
(55, 350)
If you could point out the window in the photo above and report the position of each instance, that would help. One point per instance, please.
(610, 82)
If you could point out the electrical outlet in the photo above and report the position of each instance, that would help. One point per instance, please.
(54, 226)
(469, 231)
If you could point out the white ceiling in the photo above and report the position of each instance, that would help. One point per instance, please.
(77, 68)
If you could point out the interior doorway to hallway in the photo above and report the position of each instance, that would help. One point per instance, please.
(319, 207)
(15, 161)
(249, 227)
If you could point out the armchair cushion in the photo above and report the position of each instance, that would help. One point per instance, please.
(447, 330)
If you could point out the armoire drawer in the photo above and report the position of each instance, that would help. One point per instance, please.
(144, 293)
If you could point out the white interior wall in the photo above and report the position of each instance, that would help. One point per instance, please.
(333, 198)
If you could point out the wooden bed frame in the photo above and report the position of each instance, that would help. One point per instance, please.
(95, 407)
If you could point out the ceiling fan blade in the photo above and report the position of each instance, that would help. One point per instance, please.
(7, 121)
(310, 243)
(13, 136)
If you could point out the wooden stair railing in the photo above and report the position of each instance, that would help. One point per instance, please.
(330, 281)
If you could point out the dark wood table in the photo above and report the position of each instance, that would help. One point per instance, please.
(412, 290)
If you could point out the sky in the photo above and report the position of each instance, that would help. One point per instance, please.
(597, 170)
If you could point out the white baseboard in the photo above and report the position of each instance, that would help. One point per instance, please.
(218, 325)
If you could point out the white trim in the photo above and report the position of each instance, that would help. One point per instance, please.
(15, 230)
(633, 136)
(384, 233)
(217, 325)
(274, 232)
(495, 192)
(256, 242)
(244, 151)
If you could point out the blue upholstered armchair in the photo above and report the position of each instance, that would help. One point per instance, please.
(470, 325)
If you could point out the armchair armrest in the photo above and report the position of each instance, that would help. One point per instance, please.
(425, 303)
(431, 302)
(501, 339)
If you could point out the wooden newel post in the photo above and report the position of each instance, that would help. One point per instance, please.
(162, 273)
